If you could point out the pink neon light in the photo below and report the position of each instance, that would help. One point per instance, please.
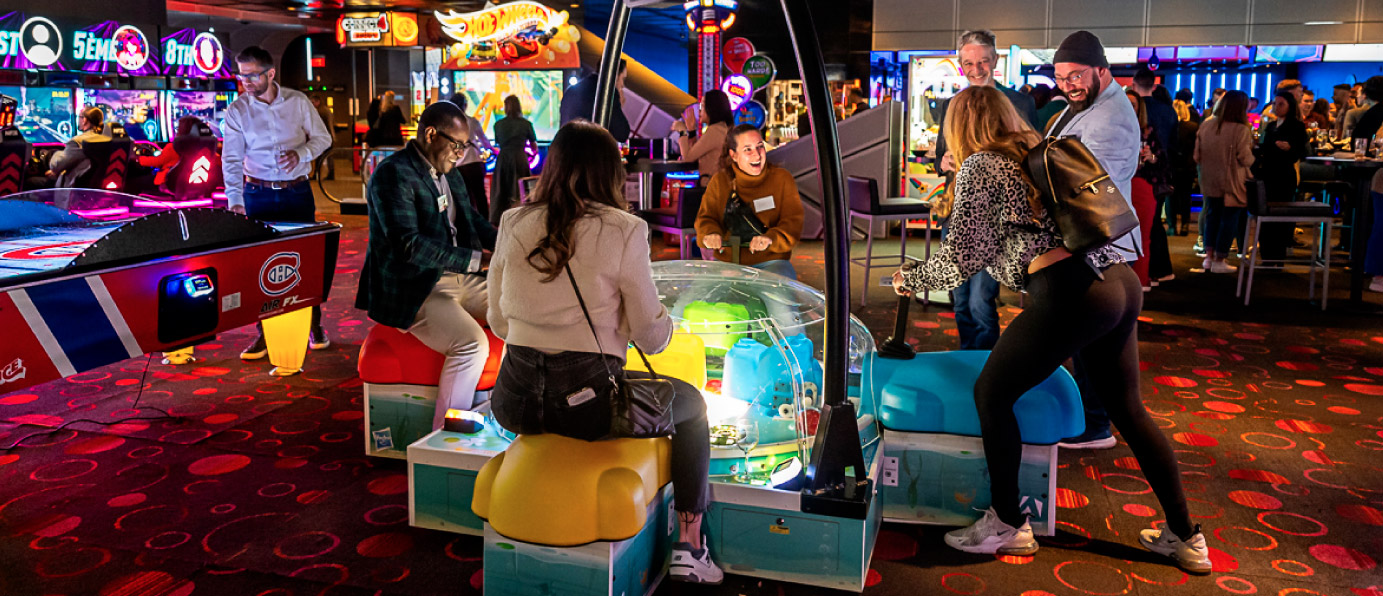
(172, 204)
(107, 212)
(110, 186)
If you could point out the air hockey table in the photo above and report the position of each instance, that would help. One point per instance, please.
(77, 293)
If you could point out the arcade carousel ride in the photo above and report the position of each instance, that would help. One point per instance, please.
(817, 435)
(80, 292)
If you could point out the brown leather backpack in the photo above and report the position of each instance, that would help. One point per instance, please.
(1087, 207)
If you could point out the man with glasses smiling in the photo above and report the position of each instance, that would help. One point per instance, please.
(272, 134)
(1100, 115)
(428, 245)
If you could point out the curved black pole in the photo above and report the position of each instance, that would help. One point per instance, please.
(605, 102)
(836, 449)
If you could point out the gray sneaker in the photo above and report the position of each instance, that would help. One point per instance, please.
(694, 565)
(1192, 556)
(991, 536)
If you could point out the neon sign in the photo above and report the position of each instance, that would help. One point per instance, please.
(205, 53)
(40, 41)
(500, 22)
(738, 87)
(368, 29)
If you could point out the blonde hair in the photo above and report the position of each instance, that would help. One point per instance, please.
(1183, 110)
(981, 118)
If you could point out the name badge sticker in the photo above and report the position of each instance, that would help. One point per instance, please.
(580, 397)
(764, 204)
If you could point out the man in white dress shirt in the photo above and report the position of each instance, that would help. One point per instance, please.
(272, 136)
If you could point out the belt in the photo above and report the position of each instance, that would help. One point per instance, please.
(275, 184)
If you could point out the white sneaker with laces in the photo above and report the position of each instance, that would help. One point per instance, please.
(1377, 284)
(1192, 556)
(990, 535)
(694, 565)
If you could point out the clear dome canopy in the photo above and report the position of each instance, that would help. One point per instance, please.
(752, 341)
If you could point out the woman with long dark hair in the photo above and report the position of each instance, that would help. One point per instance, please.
(1224, 150)
(754, 201)
(513, 134)
(1084, 305)
(576, 225)
(705, 149)
(1282, 145)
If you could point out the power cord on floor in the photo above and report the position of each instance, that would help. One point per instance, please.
(142, 376)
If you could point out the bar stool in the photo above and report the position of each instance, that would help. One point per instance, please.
(1297, 212)
(866, 204)
(679, 220)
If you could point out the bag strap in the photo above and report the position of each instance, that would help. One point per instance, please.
(587, 313)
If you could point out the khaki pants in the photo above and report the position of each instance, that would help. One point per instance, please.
(450, 322)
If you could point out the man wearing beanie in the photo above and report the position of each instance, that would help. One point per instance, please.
(1101, 117)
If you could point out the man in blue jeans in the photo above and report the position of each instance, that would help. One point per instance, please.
(975, 302)
(272, 134)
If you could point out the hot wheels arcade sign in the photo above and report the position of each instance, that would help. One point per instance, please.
(30, 41)
(517, 35)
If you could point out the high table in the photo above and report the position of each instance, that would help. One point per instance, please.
(1360, 172)
(646, 168)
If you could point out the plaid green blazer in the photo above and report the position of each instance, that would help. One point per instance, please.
(410, 241)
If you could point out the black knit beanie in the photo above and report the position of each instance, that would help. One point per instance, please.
(1081, 47)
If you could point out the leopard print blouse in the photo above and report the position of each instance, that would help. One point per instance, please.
(993, 228)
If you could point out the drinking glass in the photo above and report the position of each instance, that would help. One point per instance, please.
(747, 441)
(1361, 146)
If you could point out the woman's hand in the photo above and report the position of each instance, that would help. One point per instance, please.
(713, 241)
(679, 126)
(900, 287)
(1284, 145)
(759, 244)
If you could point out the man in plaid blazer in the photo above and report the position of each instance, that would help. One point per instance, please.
(423, 274)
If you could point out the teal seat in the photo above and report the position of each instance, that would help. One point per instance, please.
(935, 393)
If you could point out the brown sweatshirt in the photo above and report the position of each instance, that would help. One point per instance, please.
(772, 194)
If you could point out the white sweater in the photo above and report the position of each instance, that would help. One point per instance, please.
(611, 265)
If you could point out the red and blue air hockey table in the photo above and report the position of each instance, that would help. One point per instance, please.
(76, 294)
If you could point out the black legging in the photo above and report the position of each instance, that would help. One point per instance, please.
(1070, 311)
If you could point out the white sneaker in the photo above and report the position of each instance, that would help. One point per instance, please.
(1222, 267)
(1205, 264)
(693, 565)
(991, 536)
(1377, 284)
(1192, 556)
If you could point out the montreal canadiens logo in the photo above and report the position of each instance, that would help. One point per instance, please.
(279, 274)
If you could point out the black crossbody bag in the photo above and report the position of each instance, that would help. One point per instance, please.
(639, 408)
(739, 219)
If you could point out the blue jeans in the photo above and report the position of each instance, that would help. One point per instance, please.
(1373, 258)
(977, 316)
(782, 267)
(1221, 226)
(292, 204)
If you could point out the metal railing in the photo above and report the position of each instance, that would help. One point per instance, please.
(370, 158)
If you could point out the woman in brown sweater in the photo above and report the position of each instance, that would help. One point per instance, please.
(768, 221)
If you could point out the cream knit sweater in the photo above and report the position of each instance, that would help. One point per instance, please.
(611, 266)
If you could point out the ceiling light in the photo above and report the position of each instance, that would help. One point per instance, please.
(1324, 23)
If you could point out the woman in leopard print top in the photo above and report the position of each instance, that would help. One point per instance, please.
(1083, 307)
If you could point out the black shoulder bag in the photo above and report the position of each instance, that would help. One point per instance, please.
(639, 408)
(739, 219)
(1087, 207)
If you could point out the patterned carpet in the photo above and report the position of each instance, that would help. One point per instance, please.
(260, 486)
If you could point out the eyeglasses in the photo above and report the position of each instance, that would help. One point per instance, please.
(457, 146)
(1074, 79)
(251, 77)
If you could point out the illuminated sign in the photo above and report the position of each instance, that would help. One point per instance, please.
(362, 29)
(739, 89)
(710, 16)
(501, 22)
(736, 51)
(40, 41)
(112, 47)
(204, 53)
(760, 70)
(377, 29)
(517, 35)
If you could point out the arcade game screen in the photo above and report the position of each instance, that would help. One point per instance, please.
(45, 114)
(138, 110)
(539, 91)
(209, 106)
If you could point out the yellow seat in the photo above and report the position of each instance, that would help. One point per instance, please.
(558, 491)
(684, 359)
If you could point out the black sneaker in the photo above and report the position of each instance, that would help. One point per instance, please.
(1090, 439)
(256, 350)
(319, 340)
(694, 565)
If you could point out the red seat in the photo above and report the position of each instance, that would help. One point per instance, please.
(390, 356)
